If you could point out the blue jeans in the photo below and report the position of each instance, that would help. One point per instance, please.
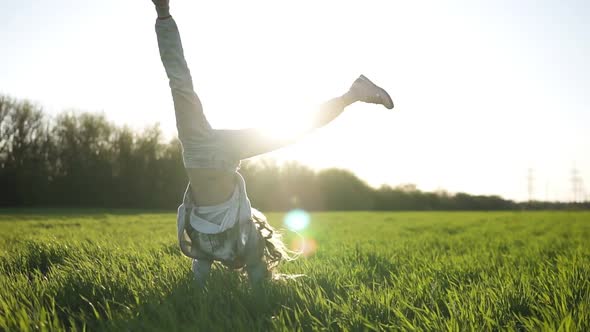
(255, 265)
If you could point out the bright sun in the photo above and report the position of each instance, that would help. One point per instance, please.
(286, 127)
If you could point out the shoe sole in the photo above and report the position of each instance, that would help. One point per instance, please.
(388, 102)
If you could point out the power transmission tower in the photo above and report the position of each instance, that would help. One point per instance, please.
(530, 181)
(546, 191)
(577, 186)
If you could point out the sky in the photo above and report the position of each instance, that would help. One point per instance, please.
(483, 90)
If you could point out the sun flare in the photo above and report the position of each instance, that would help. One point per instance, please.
(286, 128)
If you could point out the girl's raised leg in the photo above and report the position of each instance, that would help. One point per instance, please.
(191, 123)
(248, 143)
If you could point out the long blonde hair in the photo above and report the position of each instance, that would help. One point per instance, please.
(275, 250)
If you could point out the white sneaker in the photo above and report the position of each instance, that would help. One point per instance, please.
(366, 91)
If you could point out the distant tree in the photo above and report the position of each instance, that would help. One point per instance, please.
(81, 159)
(279, 188)
(263, 180)
(6, 104)
(174, 179)
(23, 144)
(299, 185)
(125, 176)
(342, 190)
(85, 158)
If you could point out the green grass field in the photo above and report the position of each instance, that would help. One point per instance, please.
(122, 271)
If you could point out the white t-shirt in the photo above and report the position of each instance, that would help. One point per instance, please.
(215, 219)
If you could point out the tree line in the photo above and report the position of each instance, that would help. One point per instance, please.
(83, 160)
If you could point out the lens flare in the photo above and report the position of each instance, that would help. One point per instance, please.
(307, 247)
(297, 220)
